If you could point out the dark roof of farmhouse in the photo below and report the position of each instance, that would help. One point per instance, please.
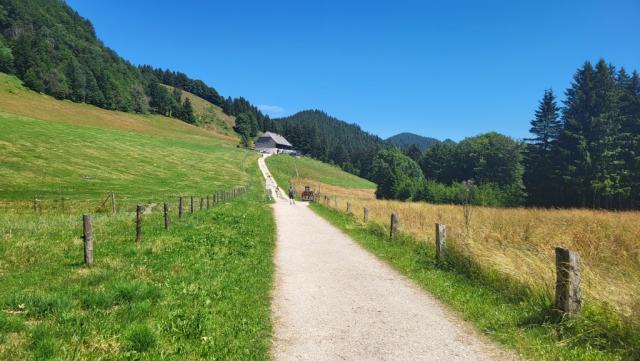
(277, 138)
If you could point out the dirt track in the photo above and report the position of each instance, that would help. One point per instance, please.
(335, 301)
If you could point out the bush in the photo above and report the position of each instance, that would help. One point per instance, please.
(490, 195)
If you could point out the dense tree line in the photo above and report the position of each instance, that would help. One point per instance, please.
(493, 162)
(587, 154)
(55, 51)
(323, 137)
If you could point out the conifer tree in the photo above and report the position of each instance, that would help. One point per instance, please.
(187, 112)
(539, 176)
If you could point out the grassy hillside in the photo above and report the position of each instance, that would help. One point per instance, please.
(81, 152)
(285, 167)
(17, 100)
(199, 290)
(209, 115)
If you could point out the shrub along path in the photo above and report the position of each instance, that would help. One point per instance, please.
(335, 301)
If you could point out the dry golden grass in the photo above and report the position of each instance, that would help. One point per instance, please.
(520, 242)
(323, 188)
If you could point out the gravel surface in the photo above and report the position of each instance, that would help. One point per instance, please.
(335, 301)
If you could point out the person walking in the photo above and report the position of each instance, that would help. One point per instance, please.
(292, 194)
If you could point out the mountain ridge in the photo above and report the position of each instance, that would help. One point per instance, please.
(405, 139)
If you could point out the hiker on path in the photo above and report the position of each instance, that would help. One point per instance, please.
(292, 194)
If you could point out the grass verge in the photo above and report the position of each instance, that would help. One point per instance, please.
(200, 290)
(512, 314)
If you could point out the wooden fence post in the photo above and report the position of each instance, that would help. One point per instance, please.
(191, 206)
(138, 223)
(180, 207)
(201, 203)
(35, 204)
(166, 216)
(394, 225)
(348, 207)
(366, 214)
(207, 201)
(441, 242)
(87, 235)
(568, 295)
(335, 201)
(113, 202)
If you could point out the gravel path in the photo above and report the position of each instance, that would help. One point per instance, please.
(335, 301)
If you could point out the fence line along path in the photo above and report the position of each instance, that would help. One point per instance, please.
(335, 301)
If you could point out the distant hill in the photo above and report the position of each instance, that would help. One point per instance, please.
(331, 140)
(404, 140)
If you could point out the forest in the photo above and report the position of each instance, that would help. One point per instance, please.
(330, 140)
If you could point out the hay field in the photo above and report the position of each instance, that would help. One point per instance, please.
(520, 243)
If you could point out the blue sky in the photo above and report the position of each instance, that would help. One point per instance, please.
(446, 69)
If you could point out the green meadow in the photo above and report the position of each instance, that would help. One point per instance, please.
(199, 290)
(283, 167)
(51, 160)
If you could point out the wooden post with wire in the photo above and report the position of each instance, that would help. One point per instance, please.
(138, 223)
(568, 294)
(87, 236)
(113, 202)
(441, 242)
(365, 216)
(165, 210)
(394, 225)
(180, 207)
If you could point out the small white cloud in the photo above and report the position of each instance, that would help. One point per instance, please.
(271, 109)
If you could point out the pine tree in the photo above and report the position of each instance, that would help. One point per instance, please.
(187, 112)
(413, 152)
(573, 144)
(546, 126)
(629, 138)
(539, 177)
(588, 146)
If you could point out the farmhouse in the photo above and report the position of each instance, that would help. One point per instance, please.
(273, 143)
